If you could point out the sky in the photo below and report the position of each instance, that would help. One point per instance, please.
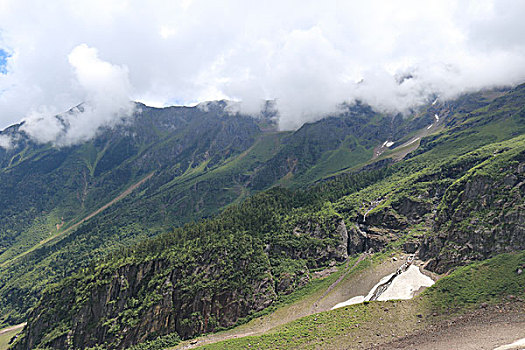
(308, 56)
(3, 61)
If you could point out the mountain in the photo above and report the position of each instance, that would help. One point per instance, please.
(445, 184)
(159, 169)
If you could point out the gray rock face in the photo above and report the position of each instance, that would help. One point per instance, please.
(140, 301)
(324, 242)
(474, 219)
(413, 210)
(357, 240)
(488, 218)
(170, 310)
(342, 247)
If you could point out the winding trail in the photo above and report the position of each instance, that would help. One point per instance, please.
(13, 328)
(342, 277)
(74, 226)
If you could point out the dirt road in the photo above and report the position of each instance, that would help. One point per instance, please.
(74, 226)
(9, 329)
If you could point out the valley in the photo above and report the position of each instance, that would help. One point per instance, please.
(277, 175)
(206, 227)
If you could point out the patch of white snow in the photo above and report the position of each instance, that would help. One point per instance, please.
(359, 299)
(403, 286)
(435, 101)
(517, 345)
(437, 117)
(414, 140)
(355, 300)
(431, 125)
(406, 284)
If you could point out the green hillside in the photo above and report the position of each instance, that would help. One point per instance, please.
(466, 288)
(215, 273)
(161, 169)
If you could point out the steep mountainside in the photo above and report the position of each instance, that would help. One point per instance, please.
(158, 169)
(457, 198)
(469, 308)
(58, 187)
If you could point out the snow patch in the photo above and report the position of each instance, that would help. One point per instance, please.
(517, 345)
(437, 117)
(403, 286)
(360, 298)
(406, 284)
(431, 125)
(435, 101)
(414, 140)
(388, 143)
(352, 301)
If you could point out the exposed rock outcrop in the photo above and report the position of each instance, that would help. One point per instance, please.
(324, 241)
(121, 310)
(136, 302)
(480, 216)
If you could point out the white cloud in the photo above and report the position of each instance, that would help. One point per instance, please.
(6, 141)
(306, 55)
(105, 90)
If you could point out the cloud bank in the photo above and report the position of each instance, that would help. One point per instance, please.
(104, 87)
(308, 56)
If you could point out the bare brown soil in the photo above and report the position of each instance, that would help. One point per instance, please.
(485, 328)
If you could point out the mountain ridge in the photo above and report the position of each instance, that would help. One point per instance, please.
(281, 235)
(203, 160)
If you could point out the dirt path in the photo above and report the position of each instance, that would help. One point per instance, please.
(342, 277)
(13, 328)
(342, 289)
(74, 226)
(482, 329)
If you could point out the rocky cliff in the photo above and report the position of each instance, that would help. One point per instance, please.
(481, 215)
(120, 310)
(193, 290)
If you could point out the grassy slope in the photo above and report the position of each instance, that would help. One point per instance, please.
(446, 153)
(446, 149)
(7, 334)
(44, 224)
(61, 233)
(466, 288)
